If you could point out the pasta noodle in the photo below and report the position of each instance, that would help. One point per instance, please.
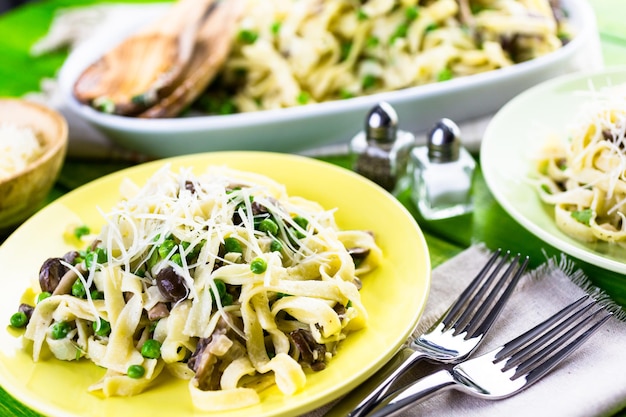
(290, 53)
(584, 177)
(221, 279)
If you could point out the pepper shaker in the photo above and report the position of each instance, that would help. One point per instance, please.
(442, 173)
(381, 151)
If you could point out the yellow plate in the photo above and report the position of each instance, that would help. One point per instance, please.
(394, 294)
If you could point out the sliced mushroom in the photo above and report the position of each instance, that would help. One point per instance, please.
(26, 309)
(51, 273)
(359, 254)
(68, 279)
(159, 311)
(203, 361)
(214, 352)
(312, 354)
(171, 285)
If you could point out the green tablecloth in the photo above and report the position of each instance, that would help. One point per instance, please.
(489, 223)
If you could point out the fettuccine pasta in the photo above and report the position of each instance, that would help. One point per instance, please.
(584, 177)
(294, 52)
(221, 279)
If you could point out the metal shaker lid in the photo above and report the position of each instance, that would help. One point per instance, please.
(381, 123)
(444, 141)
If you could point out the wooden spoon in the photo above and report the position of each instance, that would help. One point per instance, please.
(131, 76)
(213, 44)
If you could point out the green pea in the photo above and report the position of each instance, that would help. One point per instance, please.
(227, 107)
(346, 47)
(166, 247)
(248, 36)
(136, 371)
(400, 32)
(60, 329)
(269, 226)
(411, 13)
(151, 349)
(372, 42)
(275, 28)
(345, 94)
(303, 97)
(221, 286)
(96, 295)
(42, 296)
(303, 223)
(153, 259)
(225, 298)
(81, 231)
(369, 81)
(19, 319)
(177, 259)
(78, 289)
(431, 27)
(361, 15)
(104, 329)
(258, 266)
(232, 245)
(276, 246)
(194, 252)
(99, 255)
(445, 74)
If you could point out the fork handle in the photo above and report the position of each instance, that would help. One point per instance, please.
(366, 396)
(420, 390)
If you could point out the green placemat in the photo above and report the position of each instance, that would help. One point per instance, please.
(19, 30)
(489, 223)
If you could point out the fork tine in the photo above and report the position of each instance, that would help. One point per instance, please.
(542, 338)
(476, 298)
(559, 356)
(484, 321)
(524, 338)
(475, 321)
(469, 290)
(537, 351)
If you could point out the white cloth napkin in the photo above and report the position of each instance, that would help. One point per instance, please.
(591, 382)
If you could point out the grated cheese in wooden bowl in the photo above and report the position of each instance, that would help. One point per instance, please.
(18, 147)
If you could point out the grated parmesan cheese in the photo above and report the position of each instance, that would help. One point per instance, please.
(18, 147)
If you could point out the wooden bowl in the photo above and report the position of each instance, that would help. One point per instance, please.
(24, 192)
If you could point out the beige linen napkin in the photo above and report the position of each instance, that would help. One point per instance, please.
(591, 382)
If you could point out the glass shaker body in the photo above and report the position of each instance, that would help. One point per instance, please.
(442, 189)
(385, 163)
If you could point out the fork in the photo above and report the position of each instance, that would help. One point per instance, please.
(512, 367)
(451, 339)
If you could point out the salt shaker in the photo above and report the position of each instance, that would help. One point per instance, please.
(381, 151)
(442, 173)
